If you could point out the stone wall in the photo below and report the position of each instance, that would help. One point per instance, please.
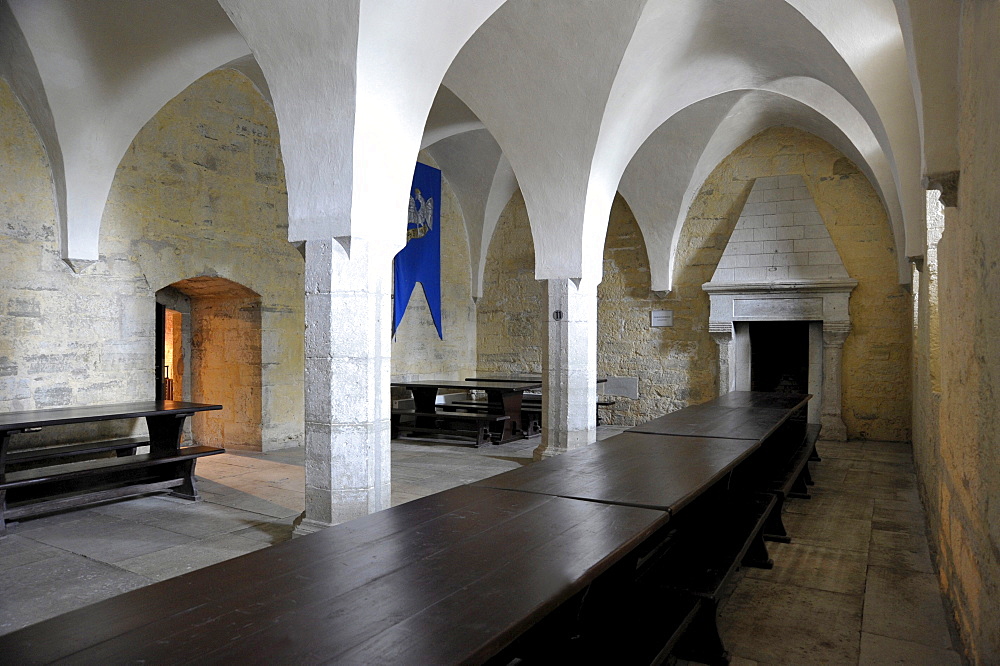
(876, 385)
(677, 366)
(511, 313)
(200, 192)
(417, 352)
(665, 360)
(957, 429)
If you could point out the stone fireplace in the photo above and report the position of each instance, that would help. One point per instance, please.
(781, 272)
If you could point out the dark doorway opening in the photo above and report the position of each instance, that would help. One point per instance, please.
(779, 356)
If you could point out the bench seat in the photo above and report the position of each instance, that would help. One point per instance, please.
(791, 481)
(55, 487)
(448, 423)
(32, 457)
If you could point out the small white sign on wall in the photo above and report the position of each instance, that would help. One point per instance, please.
(661, 318)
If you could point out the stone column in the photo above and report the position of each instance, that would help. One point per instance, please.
(569, 368)
(346, 382)
(722, 333)
(834, 335)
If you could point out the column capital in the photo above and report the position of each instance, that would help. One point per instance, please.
(946, 183)
(720, 328)
(835, 333)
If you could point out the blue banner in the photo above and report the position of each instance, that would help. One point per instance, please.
(420, 260)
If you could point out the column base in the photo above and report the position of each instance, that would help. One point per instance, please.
(833, 429)
(302, 526)
(561, 442)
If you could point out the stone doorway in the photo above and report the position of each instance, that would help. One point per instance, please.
(220, 343)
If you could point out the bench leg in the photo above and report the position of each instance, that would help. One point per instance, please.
(799, 489)
(187, 490)
(814, 456)
(757, 555)
(808, 476)
(774, 527)
(701, 642)
(3, 513)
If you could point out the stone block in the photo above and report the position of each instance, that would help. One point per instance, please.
(778, 246)
(831, 259)
(789, 232)
(768, 233)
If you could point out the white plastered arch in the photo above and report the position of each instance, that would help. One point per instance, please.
(697, 51)
(107, 68)
(710, 129)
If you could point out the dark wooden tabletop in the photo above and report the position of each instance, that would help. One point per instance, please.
(527, 377)
(471, 385)
(64, 415)
(707, 420)
(449, 578)
(652, 471)
(761, 399)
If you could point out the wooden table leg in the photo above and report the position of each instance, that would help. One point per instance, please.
(424, 399)
(508, 403)
(165, 432)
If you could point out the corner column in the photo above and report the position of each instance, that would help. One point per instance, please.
(722, 333)
(834, 335)
(347, 375)
(569, 391)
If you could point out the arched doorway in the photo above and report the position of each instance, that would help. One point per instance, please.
(209, 350)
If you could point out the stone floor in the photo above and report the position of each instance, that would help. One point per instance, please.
(855, 585)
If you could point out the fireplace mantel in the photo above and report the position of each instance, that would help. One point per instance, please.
(823, 302)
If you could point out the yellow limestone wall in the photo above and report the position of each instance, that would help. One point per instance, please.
(957, 428)
(673, 365)
(876, 368)
(200, 192)
(417, 352)
(678, 366)
(510, 315)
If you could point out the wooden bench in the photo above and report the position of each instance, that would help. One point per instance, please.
(57, 477)
(531, 412)
(477, 425)
(791, 480)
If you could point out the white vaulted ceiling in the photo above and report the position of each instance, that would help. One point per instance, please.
(570, 100)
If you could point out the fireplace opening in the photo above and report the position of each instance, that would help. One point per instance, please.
(779, 356)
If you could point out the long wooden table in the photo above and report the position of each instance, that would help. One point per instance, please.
(451, 578)
(736, 415)
(57, 477)
(578, 557)
(502, 398)
(630, 469)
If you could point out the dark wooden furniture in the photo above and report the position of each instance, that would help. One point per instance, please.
(52, 478)
(617, 552)
(478, 424)
(663, 472)
(469, 575)
(777, 421)
(502, 398)
(714, 528)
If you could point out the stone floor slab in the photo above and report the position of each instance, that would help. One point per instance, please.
(106, 538)
(905, 605)
(900, 550)
(164, 564)
(774, 623)
(17, 550)
(36, 592)
(818, 567)
(824, 504)
(829, 531)
(882, 651)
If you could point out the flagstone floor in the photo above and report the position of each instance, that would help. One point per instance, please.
(855, 586)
